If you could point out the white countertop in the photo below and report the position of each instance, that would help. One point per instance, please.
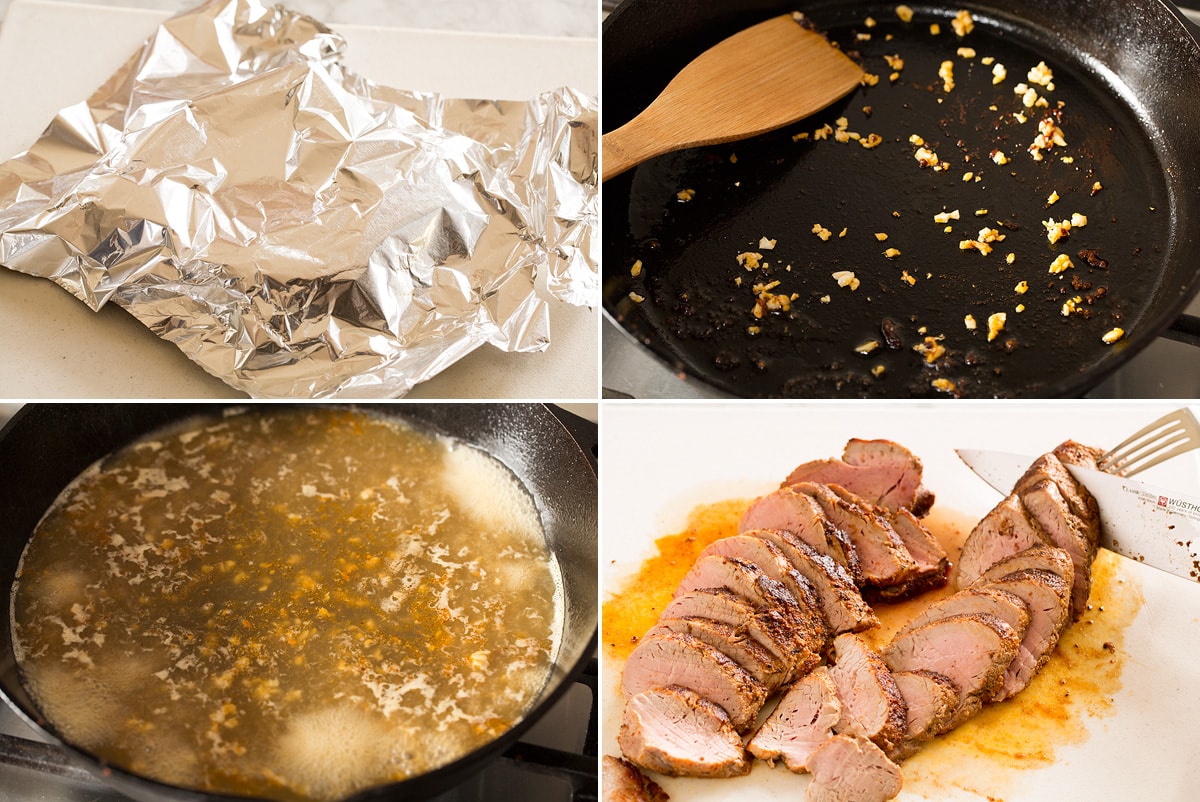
(52, 346)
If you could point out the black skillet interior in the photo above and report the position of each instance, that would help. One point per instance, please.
(1119, 70)
(44, 447)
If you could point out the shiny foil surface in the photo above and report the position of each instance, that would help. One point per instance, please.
(297, 230)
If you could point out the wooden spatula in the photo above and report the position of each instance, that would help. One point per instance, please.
(759, 79)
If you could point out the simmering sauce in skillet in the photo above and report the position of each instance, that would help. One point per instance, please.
(293, 604)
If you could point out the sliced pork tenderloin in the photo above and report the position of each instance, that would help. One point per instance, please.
(989, 599)
(767, 627)
(933, 564)
(677, 732)
(880, 471)
(790, 510)
(930, 701)
(624, 782)
(1082, 503)
(841, 602)
(733, 642)
(872, 706)
(1040, 557)
(1006, 530)
(1047, 506)
(972, 651)
(674, 658)
(805, 624)
(851, 769)
(1047, 597)
(882, 559)
(770, 560)
(801, 721)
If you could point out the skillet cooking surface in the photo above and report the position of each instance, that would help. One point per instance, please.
(696, 315)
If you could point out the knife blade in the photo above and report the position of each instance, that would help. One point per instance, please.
(1153, 525)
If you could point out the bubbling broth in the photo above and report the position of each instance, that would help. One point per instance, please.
(292, 604)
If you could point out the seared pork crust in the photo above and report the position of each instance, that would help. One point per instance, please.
(872, 706)
(624, 782)
(841, 602)
(883, 561)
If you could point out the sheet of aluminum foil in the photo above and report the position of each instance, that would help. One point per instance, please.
(297, 230)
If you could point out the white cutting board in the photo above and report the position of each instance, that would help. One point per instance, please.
(661, 460)
(53, 346)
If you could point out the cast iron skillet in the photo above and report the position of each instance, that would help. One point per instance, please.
(1128, 74)
(44, 447)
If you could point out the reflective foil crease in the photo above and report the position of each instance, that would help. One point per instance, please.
(297, 230)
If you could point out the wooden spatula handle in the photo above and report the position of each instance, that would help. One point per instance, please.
(626, 147)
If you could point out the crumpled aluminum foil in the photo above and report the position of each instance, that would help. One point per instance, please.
(297, 230)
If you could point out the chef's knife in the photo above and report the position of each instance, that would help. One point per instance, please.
(1145, 523)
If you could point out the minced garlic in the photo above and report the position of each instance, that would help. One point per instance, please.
(1078, 220)
(636, 298)
(822, 232)
(1053, 199)
(685, 195)
(935, 29)
(1041, 75)
(845, 278)
(969, 322)
(750, 260)
(1056, 229)
(905, 13)
(880, 236)
(926, 157)
(867, 347)
(996, 325)
(966, 52)
(1021, 288)
(1012, 257)
(963, 23)
(946, 217)
(1112, 335)
(891, 253)
(636, 269)
(766, 244)
(999, 73)
(946, 73)
(999, 158)
(943, 385)
(932, 348)
(1061, 264)
(1071, 305)
(907, 278)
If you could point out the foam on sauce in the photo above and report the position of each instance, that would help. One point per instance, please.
(979, 757)
(292, 604)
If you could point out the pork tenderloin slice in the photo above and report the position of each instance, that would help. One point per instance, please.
(841, 602)
(872, 706)
(1048, 599)
(766, 627)
(674, 658)
(972, 651)
(933, 564)
(734, 642)
(768, 558)
(882, 559)
(879, 471)
(1040, 557)
(801, 721)
(930, 700)
(1006, 606)
(1048, 507)
(807, 629)
(624, 782)
(1006, 530)
(1080, 501)
(677, 732)
(789, 510)
(851, 769)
